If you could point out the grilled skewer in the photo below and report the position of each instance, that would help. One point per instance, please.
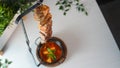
(44, 19)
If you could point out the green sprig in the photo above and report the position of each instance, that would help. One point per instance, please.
(51, 54)
(65, 6)
(5, 63)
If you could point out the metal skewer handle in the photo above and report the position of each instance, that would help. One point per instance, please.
(39, 2)
(28, 43)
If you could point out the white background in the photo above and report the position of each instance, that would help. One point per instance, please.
(88, 39)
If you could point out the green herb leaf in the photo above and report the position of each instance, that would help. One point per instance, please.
(51, 54)
(6, 60)
(9, 62)
(64, 13)
(82, 9)
(49, 50)
(78, 8)
(67, 10)
(58, 3)
(70, 2)
(64, 2)
(68, 5)
(86, 13)
(61, 7)
(77, 3)
(81, 5)
(0, 64)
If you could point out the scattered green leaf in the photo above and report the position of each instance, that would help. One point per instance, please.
(67, 10)
(61, 7)
(86, 13)
(64, 2)
(77, 4)
(81, 4)
(58, 3)
(78, 8)
(6, 61)
(64, 13)
(0, 64)
(9, 62)
(65, 6)
(82, 9)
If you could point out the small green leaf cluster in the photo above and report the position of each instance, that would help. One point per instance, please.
(4, 63)
(65, 6)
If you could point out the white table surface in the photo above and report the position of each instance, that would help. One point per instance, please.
(89, 41)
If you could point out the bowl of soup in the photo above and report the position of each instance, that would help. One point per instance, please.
(51, 53)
